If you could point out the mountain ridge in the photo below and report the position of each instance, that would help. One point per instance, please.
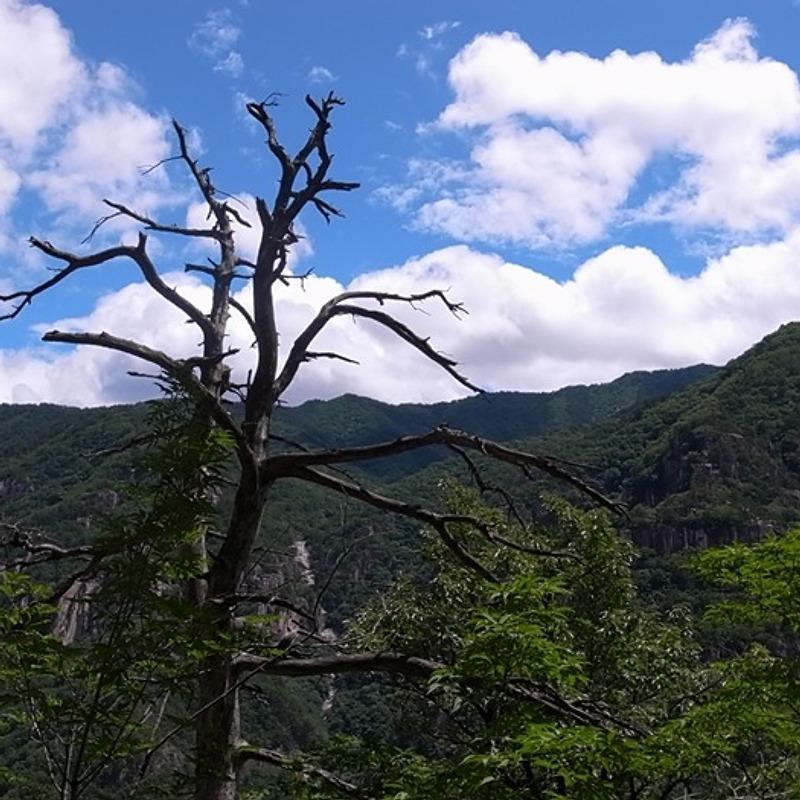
(701, 455)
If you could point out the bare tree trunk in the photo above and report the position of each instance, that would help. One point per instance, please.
(217, 731)
(218, 724)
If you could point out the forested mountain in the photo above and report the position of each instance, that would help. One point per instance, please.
(715, 462)
(61, 467)
(503, 416)
(700, 456)
(59, 463)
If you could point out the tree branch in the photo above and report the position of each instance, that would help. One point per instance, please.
(312, 355)
(74, 263)
(341, 664)
(181, 370)
(220, 210)
(439, 522)
(128, 346)
(153, 225)
(246, 752)
(137, 254)
(286, 464)
(277, 236)
(339, 306)
(245, 314)
(580, 711)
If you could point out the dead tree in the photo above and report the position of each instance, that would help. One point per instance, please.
(304, 184)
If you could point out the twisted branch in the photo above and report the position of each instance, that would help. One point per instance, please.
(341, 306)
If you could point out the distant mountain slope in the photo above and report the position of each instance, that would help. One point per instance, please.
(716, 461)
(502, 416)
(701, 455)
(50, 475)
(51, 468)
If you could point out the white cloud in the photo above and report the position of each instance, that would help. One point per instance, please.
(437, 30)
(103, 155)
(622, 310)
(10, 182)
(71, 131)
(426, 55)
(217, 32)
(559, 142)
(39, 73)
(232, 65)
(321, 75)
(38, 76)
(216, 37)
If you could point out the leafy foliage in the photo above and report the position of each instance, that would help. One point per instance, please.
(556, 683)
(91, 673)
(766, 577)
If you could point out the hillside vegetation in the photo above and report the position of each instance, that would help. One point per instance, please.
(715, 462)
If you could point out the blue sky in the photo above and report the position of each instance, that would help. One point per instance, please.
(606, 186)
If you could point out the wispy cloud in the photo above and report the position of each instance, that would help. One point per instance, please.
(216, 37)
(232, 65)
(437, 30)
(321, 75)
(424, 54)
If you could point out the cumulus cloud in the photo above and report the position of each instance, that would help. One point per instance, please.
(104, 155)
(96, 376)
(560, 143)
(39, 71)
(136, 312)
(622, 310)
(71, 132)
(216, 37)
